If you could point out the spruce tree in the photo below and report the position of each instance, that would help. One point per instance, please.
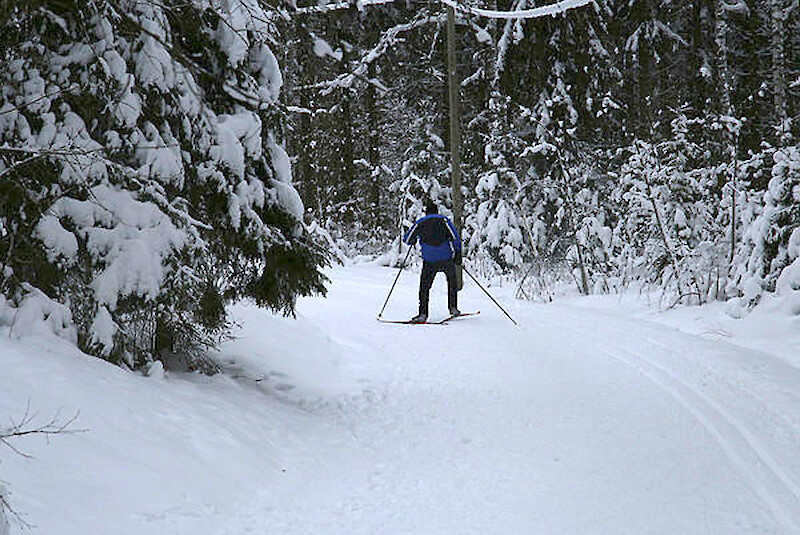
(145, 180)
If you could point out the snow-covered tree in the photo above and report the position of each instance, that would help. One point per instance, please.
(144, 179)
(580, 131)
(771, 242)
(666, 225)
(423, 174)
(496, 224)
(650, 51)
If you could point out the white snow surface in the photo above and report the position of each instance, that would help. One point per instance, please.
(597, 416)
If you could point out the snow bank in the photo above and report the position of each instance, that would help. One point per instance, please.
(770, 328)
(163, 453)
(286, 355)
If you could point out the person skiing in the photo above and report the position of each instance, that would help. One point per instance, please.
(441, 251)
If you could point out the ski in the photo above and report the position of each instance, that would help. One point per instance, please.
(463, 314)
(404, 322)
(438, 322)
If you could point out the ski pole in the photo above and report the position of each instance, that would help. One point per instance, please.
(403, 265)
(490, 296)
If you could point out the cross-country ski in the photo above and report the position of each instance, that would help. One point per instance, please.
(428, 322)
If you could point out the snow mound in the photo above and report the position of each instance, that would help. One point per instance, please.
(163, 453)
(286, 355)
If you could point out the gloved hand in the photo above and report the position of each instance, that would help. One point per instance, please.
(457, 258)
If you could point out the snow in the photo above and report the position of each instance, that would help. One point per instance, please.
(154, 64)
(597, 416)
(232, 35)
(544, 11)
(159, 156)
(288, 197)
(58, 242)
(103, 330)
(131, 238)
(38, 314)
(232, 135)
(322, 49)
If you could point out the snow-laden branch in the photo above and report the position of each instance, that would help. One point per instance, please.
(794, 4)
(341, 5)
(534, 13)
(543, 11)
(387, 39)
(737, 6)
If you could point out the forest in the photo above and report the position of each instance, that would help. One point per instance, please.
(623, 143)
(160, 160)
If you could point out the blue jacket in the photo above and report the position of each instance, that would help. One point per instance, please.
(437, 235)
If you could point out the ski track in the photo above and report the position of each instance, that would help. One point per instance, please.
(715, 418)
(409, 398)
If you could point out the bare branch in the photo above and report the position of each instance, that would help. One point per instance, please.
(17, 517)
(37, 99)
(20, 163)
(24, 427)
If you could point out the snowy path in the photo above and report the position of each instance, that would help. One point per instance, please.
(576, 423)
(582, 421)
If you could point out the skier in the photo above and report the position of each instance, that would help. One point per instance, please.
(441, 251)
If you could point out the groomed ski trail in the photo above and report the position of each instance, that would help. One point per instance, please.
(748, 453)
(575, 423)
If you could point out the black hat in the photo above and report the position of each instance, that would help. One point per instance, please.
(431, 208)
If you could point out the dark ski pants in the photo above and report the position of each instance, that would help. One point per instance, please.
(429, 271)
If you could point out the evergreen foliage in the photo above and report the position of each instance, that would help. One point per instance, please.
(143, 182)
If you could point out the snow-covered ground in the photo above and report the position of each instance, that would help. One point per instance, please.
(596, 416)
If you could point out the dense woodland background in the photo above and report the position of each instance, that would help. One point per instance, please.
(154, 154)
(628, 141)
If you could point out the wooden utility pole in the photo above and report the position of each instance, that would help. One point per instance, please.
(455, 130)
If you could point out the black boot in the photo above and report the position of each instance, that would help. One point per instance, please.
(419, 318)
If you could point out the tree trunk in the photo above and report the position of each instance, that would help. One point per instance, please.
(726, 108)
(567, 178)
(694, 75)
(373, 152)
(777, 37)
(723, 76)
